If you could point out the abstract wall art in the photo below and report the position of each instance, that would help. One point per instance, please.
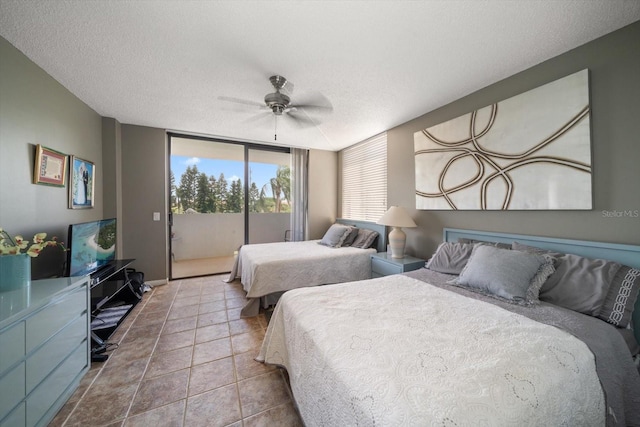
(528, 152)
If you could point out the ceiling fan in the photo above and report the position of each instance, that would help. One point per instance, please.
(280, 104)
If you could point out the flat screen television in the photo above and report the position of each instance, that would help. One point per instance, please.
(92, 246)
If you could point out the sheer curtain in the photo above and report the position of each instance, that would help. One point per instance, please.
(299, 186)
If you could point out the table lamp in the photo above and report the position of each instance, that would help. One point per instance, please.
(397, 217)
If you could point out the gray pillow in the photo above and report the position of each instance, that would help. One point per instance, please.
(351, 236)
(365, 239)
(496, 244)
(335, 235)
(597, 287)
(511, 275)
(450, 257)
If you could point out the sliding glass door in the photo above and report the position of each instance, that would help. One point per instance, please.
(270, 196)
(223, 194)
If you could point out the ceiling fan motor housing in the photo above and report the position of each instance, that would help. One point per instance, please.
(277, 102)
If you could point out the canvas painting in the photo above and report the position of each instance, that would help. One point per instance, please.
(528, 152)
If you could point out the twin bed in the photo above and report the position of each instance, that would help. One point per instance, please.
(415, 349)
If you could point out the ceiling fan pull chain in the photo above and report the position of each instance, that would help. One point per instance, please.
(275, 132)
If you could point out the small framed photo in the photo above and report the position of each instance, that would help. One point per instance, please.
(82, 176)
(50, 167)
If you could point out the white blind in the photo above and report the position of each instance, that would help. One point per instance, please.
(364, 179)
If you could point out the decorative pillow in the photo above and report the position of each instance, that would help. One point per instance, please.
(365, 239)
(450, 257)
(496, 244)
(335, 235)
(597, 287)
(351, 236)
(618, 305)
(511, 275)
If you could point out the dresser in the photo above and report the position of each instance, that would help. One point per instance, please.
(383, 265)
(44, 348)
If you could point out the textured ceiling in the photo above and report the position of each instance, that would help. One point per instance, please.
(166, 64)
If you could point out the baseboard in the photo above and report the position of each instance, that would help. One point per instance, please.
(154, 283)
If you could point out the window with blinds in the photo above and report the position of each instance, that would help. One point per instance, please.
(364, 179)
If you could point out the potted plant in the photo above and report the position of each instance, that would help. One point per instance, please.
(15, 258)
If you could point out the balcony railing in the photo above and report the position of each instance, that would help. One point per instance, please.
(220, 234)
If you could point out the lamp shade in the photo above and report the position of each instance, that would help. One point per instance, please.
(396, 216)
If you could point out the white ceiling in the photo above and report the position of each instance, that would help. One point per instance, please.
(380, 63)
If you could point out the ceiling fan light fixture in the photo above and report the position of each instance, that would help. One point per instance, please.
(277, 102)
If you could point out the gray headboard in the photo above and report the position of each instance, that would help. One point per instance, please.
(624, 254)
(381, 242)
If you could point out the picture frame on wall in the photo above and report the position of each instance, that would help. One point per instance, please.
(50, 167)
(82, 175)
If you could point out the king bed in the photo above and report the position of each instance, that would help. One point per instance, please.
(266, 270)
(500, 329)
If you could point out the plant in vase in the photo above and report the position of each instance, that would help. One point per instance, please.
(15, 256)
(14, 246)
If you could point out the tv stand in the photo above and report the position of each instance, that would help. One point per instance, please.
(112, 299)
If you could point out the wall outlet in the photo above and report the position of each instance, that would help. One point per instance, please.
(156, 216)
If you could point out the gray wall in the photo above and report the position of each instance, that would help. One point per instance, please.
(144, 182)
(36, 109)
(112, 175)
(614, 64)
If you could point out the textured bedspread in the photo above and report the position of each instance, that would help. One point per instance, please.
(397, 351)
(276, 267)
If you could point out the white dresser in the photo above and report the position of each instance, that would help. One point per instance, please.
(44, 348)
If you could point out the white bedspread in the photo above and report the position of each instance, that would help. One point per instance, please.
(395, 351)
(275, 267)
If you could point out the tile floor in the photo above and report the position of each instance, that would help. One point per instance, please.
(185, 358)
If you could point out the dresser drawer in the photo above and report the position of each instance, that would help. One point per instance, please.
(47, 322)
(43, 398)
(11, 389)
(57, 349)
(17, 418)
(384, 268)
(11, 346)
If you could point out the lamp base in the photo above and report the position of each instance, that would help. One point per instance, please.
(397, 239)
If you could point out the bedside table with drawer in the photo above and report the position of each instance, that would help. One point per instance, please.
(383, 265)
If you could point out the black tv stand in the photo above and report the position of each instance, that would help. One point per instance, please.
(112, 299)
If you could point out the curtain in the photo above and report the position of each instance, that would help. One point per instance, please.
(299, 187)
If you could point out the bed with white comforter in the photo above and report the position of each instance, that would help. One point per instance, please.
(269, 268)
(413, 349)
(395, 351)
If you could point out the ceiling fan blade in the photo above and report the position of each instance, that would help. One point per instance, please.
(317, 103)
(241, 101)
(301, 118)
(261, 117)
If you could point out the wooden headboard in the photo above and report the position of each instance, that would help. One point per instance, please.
(624, 254)
(381, 241)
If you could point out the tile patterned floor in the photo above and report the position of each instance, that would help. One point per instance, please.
(185, 358)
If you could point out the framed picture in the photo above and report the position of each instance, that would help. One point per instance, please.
(50, 167)
(81, 181)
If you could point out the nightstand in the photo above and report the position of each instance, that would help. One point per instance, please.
(383, 265)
